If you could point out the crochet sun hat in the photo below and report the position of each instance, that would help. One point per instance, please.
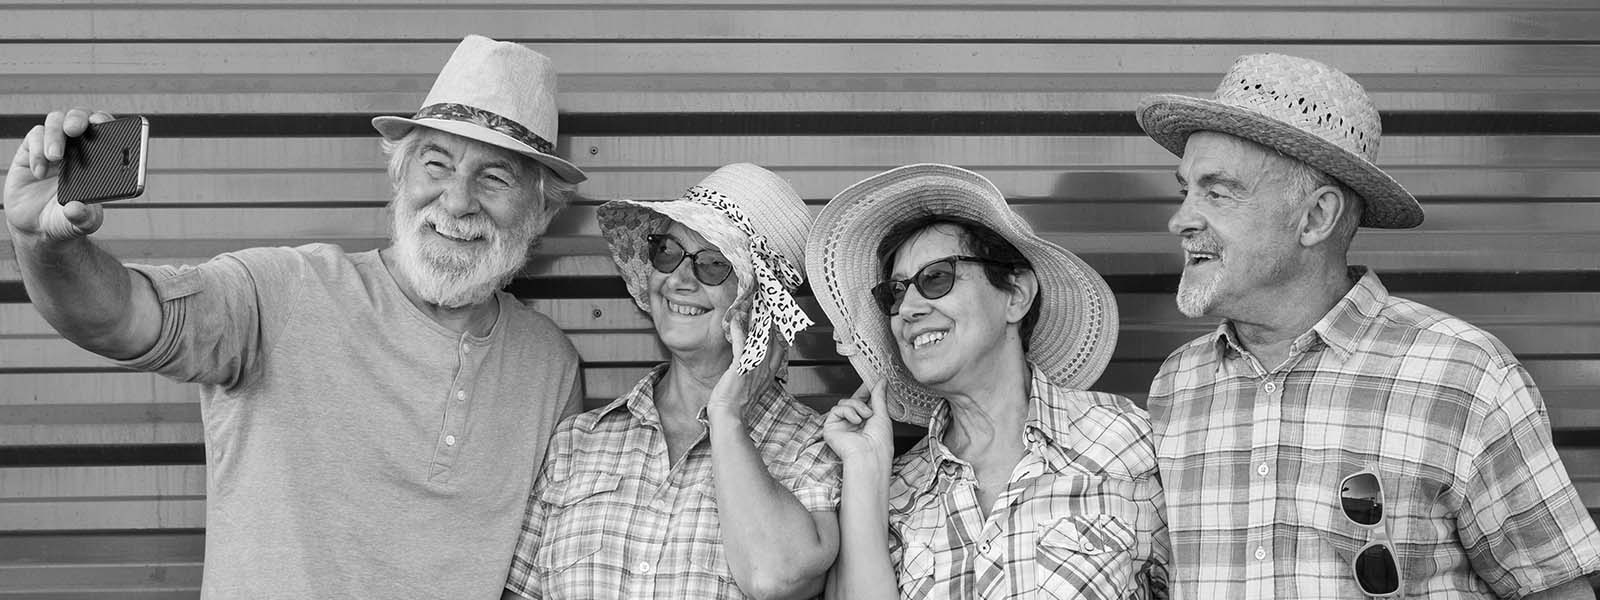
(754, 218)
(499, 93)
(1302, 108)
(1077, 327)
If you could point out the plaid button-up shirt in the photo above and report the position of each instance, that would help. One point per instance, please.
(1081, 516)
(1476, 501)
(610, 518)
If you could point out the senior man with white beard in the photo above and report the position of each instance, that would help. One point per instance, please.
(373, 420)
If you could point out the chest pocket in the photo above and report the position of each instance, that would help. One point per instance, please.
(1085, 556)
(577, 521)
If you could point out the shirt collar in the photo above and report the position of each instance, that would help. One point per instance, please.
(1050, 417)
(759, 413)
(1340, 329)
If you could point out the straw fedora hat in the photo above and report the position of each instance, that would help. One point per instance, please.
(499, 93)
(748, 213)
(1302, 108)
(1077, 327)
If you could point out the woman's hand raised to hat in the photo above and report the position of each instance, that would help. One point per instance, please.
(735, 390)
(35, 176)
(858, 428)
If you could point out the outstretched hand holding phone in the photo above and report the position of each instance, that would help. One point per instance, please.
(34, 179)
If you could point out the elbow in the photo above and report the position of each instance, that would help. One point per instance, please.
(776, 586)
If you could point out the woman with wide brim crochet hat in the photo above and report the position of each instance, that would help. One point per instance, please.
(707, 479)
(966, 322)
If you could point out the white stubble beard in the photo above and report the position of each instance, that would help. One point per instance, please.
(1195, 298)
(448, 276)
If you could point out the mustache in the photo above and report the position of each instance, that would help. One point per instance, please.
(1202, 243)
(471, 227)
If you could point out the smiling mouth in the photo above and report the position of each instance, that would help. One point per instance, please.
(435, 229)
(1192, 259)
(927, 339)
(686, 310)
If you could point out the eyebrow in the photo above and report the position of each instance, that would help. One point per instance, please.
(492, 163)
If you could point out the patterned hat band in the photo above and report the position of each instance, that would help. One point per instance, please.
(786, 271)
(449, 111)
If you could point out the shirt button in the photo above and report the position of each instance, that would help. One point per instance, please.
(983, 548)
(461, 394)
(642, 567)
(465, 348)
(1270, 387)
(1261, 553)
(449, 440)
(1262, 470)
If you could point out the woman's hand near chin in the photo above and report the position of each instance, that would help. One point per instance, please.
(735, 390)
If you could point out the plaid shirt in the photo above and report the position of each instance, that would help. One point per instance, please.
(1081, 516)
(610, 518)
(1476, 501)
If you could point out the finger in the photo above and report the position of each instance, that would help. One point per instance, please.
(100, 117)
(863, 392)
(880, 397)
(53, 139)
(75, 122)
(37, 163)
(85, 217)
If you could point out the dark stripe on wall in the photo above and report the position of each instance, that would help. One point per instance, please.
(833, 123)
(1397, 282)
(103, 456)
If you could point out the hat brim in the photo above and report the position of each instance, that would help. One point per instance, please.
(1073, 339)
(1169, 119)
(393, 128)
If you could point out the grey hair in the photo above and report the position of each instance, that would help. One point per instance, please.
(1302, 179)
(554, 192)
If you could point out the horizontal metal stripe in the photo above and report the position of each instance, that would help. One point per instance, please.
(102, 455)
(834, 123)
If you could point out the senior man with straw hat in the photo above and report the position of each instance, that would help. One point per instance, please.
(374, 419)
(1330, 440)
(707, 479)
(966, 322)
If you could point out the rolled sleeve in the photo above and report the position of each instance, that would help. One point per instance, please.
(209, 322)
(1524, 526)
(814, 476)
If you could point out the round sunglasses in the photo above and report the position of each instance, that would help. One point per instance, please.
(933, 281)
(709, 265)
(1374, 566)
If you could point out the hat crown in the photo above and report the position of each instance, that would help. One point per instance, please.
(1308, 95)
(503, 78)
(771, 205)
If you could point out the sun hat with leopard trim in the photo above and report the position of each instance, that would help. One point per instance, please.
(1077, 327)
(1302, 108)
(754, 218)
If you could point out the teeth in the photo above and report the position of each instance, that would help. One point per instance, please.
(1195, 257)
(930, 337)
(689, 311)
(453, 236)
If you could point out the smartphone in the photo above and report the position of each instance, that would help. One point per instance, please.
(106, 163)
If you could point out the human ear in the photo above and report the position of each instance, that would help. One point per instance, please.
(1322, 215)
(1019, 300)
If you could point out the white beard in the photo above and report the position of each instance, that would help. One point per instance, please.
(454, 275)
(1195, 299)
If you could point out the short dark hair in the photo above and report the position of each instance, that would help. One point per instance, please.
(977, 240)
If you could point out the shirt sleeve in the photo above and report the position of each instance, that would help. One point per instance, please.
(1523, 525)
(524, 579)
(212, 316)
(814, 475)
(1154, 546)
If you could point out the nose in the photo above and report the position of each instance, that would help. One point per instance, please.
(913, 305)
(1187, 220)
(457, 199)
(682, 276)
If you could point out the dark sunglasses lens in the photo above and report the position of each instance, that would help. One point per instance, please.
(1377, 572)
(935, 280)
(712, 269)
(888, 295)
(665, 253)
(1362, 500)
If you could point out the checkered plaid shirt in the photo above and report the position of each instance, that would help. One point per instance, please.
(1081, 516)
(610, 518)
(1477, 502)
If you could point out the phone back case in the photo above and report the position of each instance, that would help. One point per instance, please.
(104, 163)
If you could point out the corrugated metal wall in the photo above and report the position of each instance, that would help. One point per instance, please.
(259, 112)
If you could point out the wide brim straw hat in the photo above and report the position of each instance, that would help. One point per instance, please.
(498, 93)
(1076, 331)
(753, 216)
(1302, 108)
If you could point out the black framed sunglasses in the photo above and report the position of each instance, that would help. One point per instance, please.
(933, 281)
(1374, 566)
(709, 265)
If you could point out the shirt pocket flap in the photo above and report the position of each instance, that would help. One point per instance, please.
(1087, 534)
(579, 487)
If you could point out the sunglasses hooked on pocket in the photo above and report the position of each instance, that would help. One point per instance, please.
(1375, 567)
